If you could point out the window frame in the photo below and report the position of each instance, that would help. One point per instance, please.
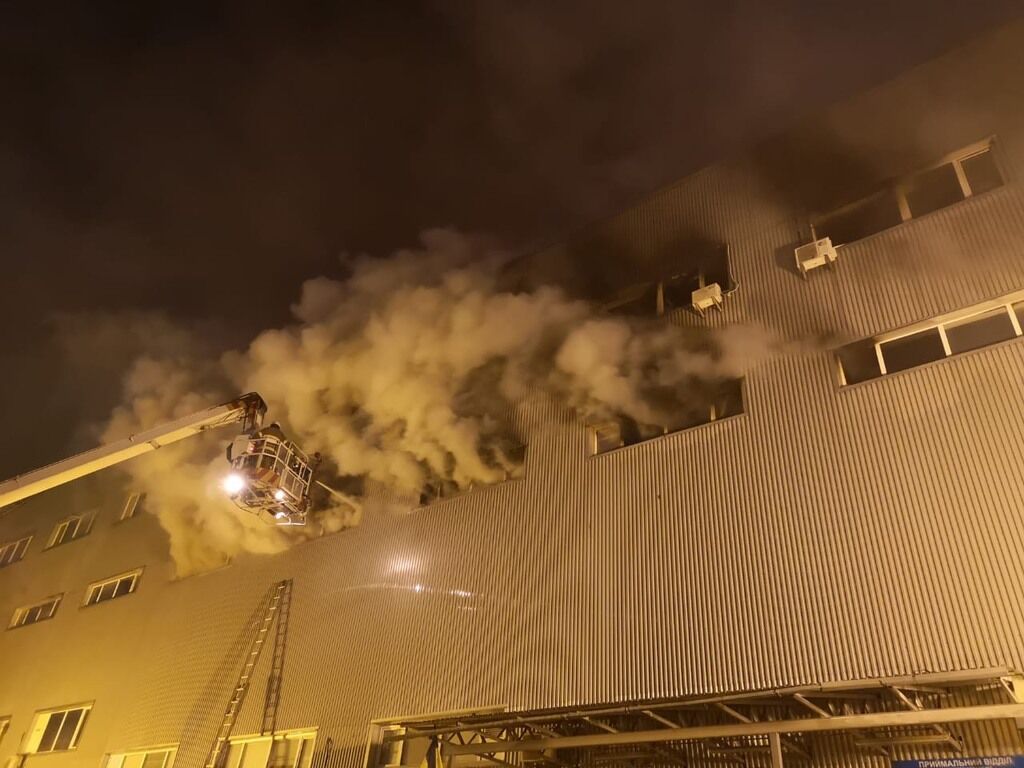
(714, 418)
(135, 574)
(940, 323)
(901, 186)
(13, 544)
(31, 748)
(22, 611)
(655, 289)
(85, 519)
(170, 749)
(257, 738)
(131, 506)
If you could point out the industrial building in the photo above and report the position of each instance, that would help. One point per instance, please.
(822, 567)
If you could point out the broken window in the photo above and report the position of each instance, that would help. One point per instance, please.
(862, 219)
(714, 268)
(718, 400)
(675, 291)
(505, 455)
(637, 300)
(727, 399)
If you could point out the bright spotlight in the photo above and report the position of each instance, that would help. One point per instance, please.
(279, 495)
(233, 484)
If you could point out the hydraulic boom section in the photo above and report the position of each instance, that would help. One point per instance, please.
(270, 476)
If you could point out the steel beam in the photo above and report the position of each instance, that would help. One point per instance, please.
(806, 725)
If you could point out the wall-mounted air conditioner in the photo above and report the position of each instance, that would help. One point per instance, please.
(820, 253)
(706, 297)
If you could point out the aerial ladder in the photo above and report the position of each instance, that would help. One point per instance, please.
(269, 476)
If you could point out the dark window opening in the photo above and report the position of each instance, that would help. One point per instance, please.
(934, 189)
(677, 291)
(721, 400)
(859, 361)
(861, 220)
(638, 300)
(507, 456)
(715, 269)
(982, 172)
(912, 351)
(728, 399)
(980, 331)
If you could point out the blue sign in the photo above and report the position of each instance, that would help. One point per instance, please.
(1002, 761)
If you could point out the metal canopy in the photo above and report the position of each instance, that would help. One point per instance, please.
(878, 714)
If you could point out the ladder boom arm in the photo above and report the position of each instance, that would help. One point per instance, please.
(246, 408)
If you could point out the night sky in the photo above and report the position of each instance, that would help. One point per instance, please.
(203, 159)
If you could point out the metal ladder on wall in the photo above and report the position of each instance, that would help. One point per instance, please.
(273, 692)
(278, 602)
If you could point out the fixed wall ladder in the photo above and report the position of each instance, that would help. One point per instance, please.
(279, 595)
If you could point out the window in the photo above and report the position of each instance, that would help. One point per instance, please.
(131, 506)
(720, 401)
(971, 171)
(57, 730)
(154, 757)
(70, 528)
(981, 330)
(637, 300)
(934, 189)
(505, 455)
(861, 219)
(292, 749)
(13, 551)
(675, 291)
(115, 586)
(30, 614)
(859, 361)
(967, 329)
(391, 746)
(913, 350)
(981, 172)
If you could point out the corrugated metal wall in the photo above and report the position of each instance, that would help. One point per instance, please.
(827, 534)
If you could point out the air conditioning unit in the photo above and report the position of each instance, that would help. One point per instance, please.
(706, 297)
(820, 253)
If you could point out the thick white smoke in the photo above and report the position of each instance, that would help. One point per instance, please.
(408, 373)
